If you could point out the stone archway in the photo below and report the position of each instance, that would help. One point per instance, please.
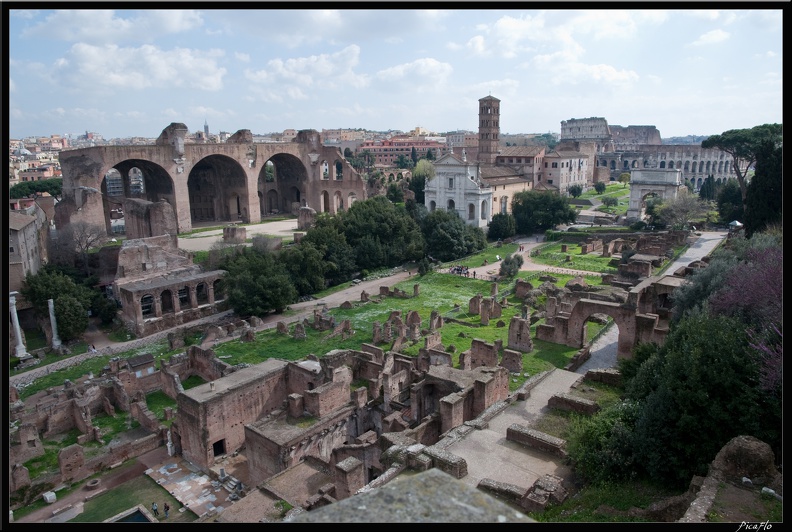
(665, 184)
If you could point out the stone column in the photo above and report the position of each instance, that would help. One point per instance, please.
(56, 343)
(20, 347)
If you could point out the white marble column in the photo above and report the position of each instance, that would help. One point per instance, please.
(20, 347)
(56, 343)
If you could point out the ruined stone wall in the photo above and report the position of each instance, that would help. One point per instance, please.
(482, 354)
(300, 379)
(224, 415)
(634, 135)
(153, 256)
(25, 444)
(327, 398)
(206, 364)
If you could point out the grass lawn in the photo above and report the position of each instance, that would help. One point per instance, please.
(141, 490)
(550, 254)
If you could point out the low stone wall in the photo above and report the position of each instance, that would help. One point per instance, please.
(447, 462)
(609, 376)
(536, 440)
(570, 403)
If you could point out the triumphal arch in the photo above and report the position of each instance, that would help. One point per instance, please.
(234, 181)
(664, 183)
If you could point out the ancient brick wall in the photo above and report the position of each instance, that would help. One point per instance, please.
(482, 354)
(536, 440)
(571, 403)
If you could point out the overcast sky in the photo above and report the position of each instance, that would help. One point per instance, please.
(125, 73)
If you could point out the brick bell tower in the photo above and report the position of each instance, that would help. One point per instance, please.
(489, 129)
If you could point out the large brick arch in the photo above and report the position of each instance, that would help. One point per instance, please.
(168, 164)
(635, 325)
(624, 319)
(217, 187)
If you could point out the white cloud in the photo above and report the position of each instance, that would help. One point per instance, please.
(507, 36)
(11, 85)
(102, 26)
(612, 23)
(245, 58)
(711, 37)
(324, 71)
(419, 75)
(112, 67)
(706, 14)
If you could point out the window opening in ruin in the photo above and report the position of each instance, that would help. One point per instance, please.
(136, 183)
(202, 294)
(147, 305)
(114, 183)
(184, 296)
(218, 447)
(167, 301)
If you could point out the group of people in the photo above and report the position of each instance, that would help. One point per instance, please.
(155, 509)
(461, 270)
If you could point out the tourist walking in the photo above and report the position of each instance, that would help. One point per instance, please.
(166, 509)
(155, 509)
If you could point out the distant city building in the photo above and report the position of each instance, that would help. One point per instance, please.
(562, 170)
(387, 151)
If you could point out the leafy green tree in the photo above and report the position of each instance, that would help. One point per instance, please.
(424, 169)
(729, 202)
(743, 145)
(429, 155)
(404, 162)
(681, 211)
(448, 237)
(510, 266)
(71, 300)
(71, 317)
(624, 178)
(424, 267)
(256, 284)
(538, 211)
(348, 154)
(327, 236)
(378, 219)
(368, 159)
(418, 185)
(600, 187)
(601, 447)
(105, 309)
(414, 155)
(417, 211)
(703, 392)
(305, 266)
(709, 189)
(764, 202)
(49, 283)
(26, 189)
(546, 139)
(395, 193)
(652, 210)
(501, 226)
(575, 190)
(610, 202)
